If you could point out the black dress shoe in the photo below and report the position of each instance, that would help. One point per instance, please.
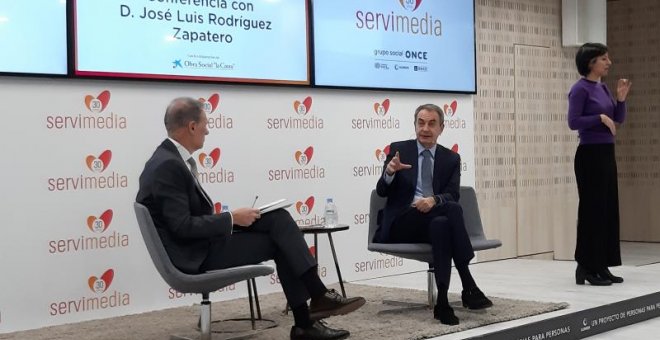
(445, 314)
(332, 303)
(606, 274)
(318, 331)
(474, 298)
(582, 274)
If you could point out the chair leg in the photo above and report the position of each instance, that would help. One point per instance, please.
(254, 326)
(432, 288)
(256, 298)
(205, 318)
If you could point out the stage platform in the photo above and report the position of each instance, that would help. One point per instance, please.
(554, 281)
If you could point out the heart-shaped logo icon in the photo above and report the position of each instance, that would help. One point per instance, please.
(210, 104)
(217, 207)
(100, 163)
(101, 223)
(100, 285)
(303, 158)
(455, 148)
(410, 5)
(209, 161)
(312, 250)
(450, 110)
(304, 208)
(382, 108)
(304, 107)
(99, 103)
(381, 155)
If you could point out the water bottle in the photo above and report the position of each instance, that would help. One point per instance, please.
(331, 216)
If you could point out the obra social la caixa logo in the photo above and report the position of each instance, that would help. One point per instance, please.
(99, 236)
(212, 171)
(103, 297)
(97, 177)
(452, 120)
(303, 170)
(375, 168)
(380, 119)
(303, 118)
(219, 120)
(95, 116)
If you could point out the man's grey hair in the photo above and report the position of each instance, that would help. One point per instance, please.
(182, 111)
(431, 107)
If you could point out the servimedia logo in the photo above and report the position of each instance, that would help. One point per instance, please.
(101, 179)
(99, 163)
(302, 108)
(410, 5)
(452, 120)
(101, 237)
(99, 103)
(103, 298)
(216, 119)
(213, 172)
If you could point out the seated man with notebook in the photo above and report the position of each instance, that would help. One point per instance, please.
(197, 240)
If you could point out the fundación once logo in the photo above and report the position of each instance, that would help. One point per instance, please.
(211, 174)
(382, 121)
(103, 298)
(95, 116)
(219, 120)
(373, 169)
(100, 178)
(453, 121)
(304, 119)
(303, 158)
(100, 237)
(410, 5)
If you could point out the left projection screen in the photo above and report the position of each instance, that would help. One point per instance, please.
(33, 37)
(250, 41)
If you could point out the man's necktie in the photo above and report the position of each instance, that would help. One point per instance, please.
(195, 173)
(427, 174)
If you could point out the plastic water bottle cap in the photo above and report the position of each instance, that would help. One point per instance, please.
(329, 200)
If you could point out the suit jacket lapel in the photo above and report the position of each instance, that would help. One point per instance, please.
(169, 146)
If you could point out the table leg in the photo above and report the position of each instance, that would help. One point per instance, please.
(334, 256)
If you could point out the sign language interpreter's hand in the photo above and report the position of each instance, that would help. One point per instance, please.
(622, 88)
(244, 217)
(395, 165)
(609, 123)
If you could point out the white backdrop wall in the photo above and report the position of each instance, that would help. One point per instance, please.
(70, 249)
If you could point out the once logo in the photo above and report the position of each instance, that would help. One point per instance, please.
(382, 108)
(304, 208)
(101, 284)
(410, 5)
(302, 108)
(100, 163)
(211, 103)
(101, 223)
(209, 161)
(99, 103)
(303, 158)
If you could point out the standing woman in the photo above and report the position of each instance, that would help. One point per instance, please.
(593, 111)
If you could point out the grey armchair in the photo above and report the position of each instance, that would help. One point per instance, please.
(203, 283)
(422, 251)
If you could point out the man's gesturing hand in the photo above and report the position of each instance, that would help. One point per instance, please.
(395, 165)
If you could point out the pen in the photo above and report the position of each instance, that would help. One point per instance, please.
(255, 200)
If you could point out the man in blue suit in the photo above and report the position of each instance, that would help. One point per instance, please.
(197, 240)
(421, 180)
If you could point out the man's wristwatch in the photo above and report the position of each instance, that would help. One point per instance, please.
(437, 199)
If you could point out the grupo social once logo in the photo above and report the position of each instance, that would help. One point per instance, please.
(304, 157)
(99, 103)
(209, 161)
(382, 108)
(211, 103)
(410, 5)
(100, 284)
(99, 163)
(302, 108)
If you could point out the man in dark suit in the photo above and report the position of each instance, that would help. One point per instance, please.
(421, 180)
(197, 240)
